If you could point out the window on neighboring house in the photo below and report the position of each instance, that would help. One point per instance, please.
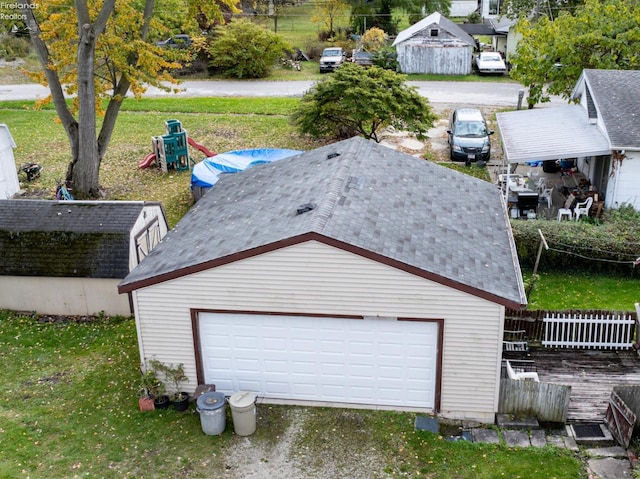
(434, 32)
(148, 239)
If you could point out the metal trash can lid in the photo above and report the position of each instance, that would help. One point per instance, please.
(242, 399)
(211, 401)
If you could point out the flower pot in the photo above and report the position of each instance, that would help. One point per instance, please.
(146, 404)
(162, 402)
(181, 403)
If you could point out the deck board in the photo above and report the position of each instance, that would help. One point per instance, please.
(592, 375)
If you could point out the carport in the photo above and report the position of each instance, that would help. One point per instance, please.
(550, 134)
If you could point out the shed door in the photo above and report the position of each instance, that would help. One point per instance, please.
(360, 361)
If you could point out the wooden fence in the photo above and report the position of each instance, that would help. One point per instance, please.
(547, 402)
(589, 331)
(533, 321)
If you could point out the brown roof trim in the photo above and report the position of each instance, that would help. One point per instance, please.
(313, 236)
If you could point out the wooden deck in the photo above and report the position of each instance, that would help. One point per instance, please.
(592, 375)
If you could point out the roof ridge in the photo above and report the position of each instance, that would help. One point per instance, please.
(331, 197)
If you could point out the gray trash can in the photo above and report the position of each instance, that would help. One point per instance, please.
(243, 412)
(212, 412)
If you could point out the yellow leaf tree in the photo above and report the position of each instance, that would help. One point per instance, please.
(328, 12)
(97, 51)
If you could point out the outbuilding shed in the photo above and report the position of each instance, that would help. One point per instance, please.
(351, 275)
(9, 184)
(435, 45)
(67, 257)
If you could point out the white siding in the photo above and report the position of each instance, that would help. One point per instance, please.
(623, 186)
(149, 212)
(9, 184)
(63, 296)
(313, 278)
(431, 58)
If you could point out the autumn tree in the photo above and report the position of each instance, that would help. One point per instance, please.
(328, 13)
(362, 101)
(552, 54)
(97, 51)
(536, 8)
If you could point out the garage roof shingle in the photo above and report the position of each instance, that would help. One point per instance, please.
(365, 198)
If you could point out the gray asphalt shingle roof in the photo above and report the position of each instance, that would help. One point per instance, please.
(368, 199)
(66, 239)
(616, 94)
(436, 18)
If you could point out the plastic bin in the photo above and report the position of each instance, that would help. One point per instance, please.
(212, 412)
(243, 412)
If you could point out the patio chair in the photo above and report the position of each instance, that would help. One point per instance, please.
(521, 375)
(566, 209)
(547, 194)
(582, 209)
(515, 343)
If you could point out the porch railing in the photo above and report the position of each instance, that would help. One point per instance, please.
(588, 331)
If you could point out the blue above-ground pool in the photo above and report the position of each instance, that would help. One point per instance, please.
(207, 173)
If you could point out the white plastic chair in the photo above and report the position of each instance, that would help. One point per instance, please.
(582, 209)
(521, 375)
(547, 194)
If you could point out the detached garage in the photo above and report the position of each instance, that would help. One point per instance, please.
(350, 275)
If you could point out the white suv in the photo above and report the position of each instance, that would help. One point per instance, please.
(331, 59)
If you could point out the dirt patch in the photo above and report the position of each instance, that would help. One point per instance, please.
(305, 451)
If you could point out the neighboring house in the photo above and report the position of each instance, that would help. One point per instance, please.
(462, 8)
(601, 132)
(67, 257)
(9, 184)
(435, 45)
(506, 37)
(352, 274)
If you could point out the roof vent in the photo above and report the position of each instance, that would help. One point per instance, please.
(332, 155)
(305, 208)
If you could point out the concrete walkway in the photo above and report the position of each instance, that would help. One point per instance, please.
(602, 462)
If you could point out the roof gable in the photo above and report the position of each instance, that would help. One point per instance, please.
(66, 238)
(615, 96)
(438, 20)
(359, 196)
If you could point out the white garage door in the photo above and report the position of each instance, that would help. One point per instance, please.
(370, 362)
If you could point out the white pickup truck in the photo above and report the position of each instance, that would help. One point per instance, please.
(490, 63)
(331, 59)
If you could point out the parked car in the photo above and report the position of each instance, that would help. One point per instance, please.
(331, 59)
(490, 63)
(360, 57)
(469, 137)
(176, 41)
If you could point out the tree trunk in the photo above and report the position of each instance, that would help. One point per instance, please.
(83, 173)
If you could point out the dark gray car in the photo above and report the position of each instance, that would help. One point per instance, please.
(469, 137)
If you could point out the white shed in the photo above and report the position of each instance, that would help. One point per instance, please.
(9, 184)
(350, 275)
(435, 45)
(67, 257)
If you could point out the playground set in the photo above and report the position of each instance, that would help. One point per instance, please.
(171, 151)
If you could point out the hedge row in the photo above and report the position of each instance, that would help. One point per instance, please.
(611, 244)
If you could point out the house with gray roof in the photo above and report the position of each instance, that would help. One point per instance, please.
(67, 257)
(352, 274)
(435, 45)
(601, 131)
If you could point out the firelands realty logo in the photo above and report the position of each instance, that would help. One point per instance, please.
(13, 11)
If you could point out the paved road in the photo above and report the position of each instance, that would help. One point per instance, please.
(497, 94)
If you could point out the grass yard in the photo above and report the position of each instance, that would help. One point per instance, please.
(69, 410)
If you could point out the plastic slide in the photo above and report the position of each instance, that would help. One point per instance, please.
(203, 149)
(147, 161)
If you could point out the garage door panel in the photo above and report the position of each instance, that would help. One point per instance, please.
(372, 361)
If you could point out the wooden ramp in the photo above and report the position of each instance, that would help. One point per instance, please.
(592, 375)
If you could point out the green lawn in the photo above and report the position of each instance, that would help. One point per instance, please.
(69, 410)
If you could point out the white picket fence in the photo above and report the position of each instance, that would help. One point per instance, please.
(589, 331)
